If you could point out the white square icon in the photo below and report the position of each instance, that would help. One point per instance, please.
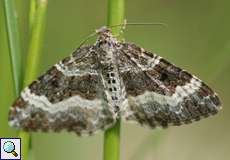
(10, 148)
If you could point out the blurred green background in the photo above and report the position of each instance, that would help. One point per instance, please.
(197, 39)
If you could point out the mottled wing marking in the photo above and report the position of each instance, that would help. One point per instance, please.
(161, 94)
(68, 96)
(133, 56)
(82, 61)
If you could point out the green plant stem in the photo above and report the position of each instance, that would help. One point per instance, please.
(116, 11)
(32, 13)
(37, 31)
(7, 87)
(37, 24)
(112, 135)
(112, 143)
(14, 43)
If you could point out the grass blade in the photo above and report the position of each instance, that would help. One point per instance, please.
(112, 135)
(37, 25)
(14, 43)
(37, 30)
(7, 89)
(32, 13)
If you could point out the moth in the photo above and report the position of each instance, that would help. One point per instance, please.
(97, 84)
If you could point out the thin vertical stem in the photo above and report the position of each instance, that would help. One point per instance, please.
(32, 13)
(37, 24)
(14, 43)
(115, 15)
(112, 143)
(112, 135)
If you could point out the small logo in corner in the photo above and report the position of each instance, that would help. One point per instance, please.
(10, 148)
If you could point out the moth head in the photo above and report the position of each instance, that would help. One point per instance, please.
(104, 32)
(105, 38)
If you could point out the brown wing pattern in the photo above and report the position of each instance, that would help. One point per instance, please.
(159, 93)
(68, 96)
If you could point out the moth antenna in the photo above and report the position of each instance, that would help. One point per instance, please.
(138, 24)
(123, 26)
(125, 23)
(87, 38)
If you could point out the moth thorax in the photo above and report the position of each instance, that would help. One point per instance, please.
(107, 55)
(107, 45)
(106, 42)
